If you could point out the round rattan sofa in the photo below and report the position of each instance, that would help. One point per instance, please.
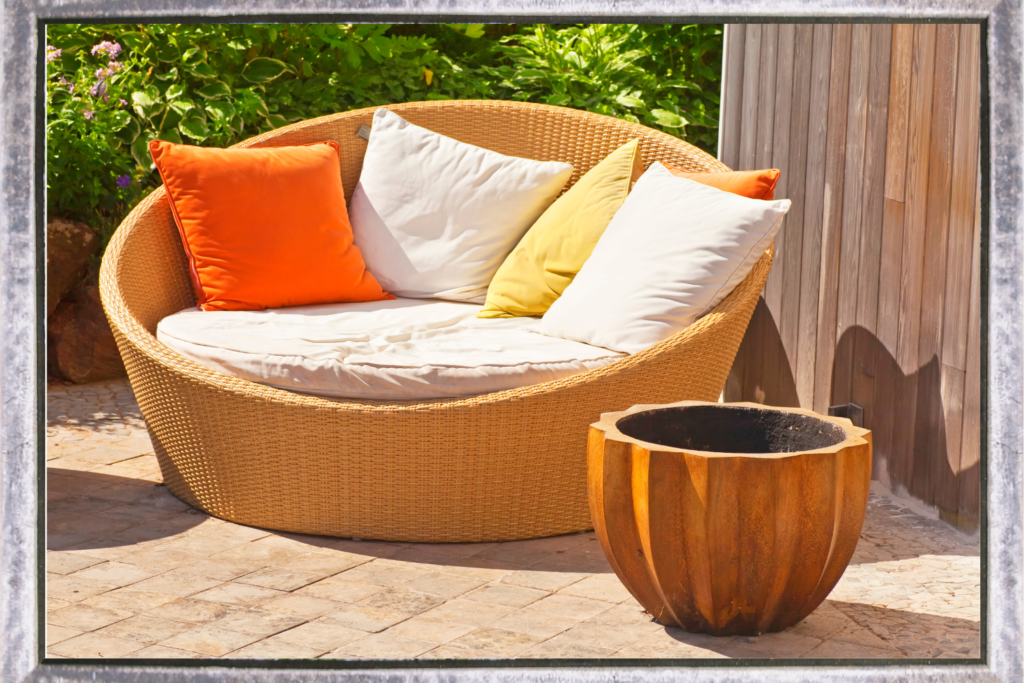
(500, 466)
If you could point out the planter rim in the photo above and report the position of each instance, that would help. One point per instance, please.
(609, 425)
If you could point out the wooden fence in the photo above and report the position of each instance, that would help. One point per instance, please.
(874, 296)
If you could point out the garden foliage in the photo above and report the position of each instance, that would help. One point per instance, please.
(113, 88)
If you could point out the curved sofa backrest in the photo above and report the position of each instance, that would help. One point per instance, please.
(145, 274)
(532, 131)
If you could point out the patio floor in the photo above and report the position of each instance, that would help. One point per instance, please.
(133, 572)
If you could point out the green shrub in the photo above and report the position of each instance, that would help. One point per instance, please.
(661, 76)
(113, 88)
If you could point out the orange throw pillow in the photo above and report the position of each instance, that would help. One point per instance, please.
(749, 184)
(264, 228)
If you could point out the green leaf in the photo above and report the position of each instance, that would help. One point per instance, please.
(263, 69)
(194, 127)
(529, 74)
(147, 102)
(167, 76)
(559, 100)
(170, 136)
(190, 53)
(183, 106)
(668, 119)
(202, 71)
(72, 44)
(686, 85)
(237, 124)
(140, 151)
(261, 106)
(307, 69)
(629, 101)
(237, 45)
(168, 53)
(174, 90)
(671, 106)
(214, 90)
(276, 121)
(118, 120)
(131, 130)
(220, 110)
(474, 30)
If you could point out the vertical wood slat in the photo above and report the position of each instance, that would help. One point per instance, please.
(932, 474)
(899, 110)
(945, 456)
(888, 378)
(729, 146)
(865, 342)
(751, 77)
(796, 188)
(766, 96)
(918, 148)
(732, 95)
(738, 378)
(969, 496)
(764, 126)
(775, 380)
(962, 325)
(810, 260)
(852, 218)
(779, 157)
(832, 212)
(962, 200)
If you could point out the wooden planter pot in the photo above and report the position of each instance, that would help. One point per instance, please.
(729, 519)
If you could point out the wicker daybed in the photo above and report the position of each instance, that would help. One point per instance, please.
(493, 467)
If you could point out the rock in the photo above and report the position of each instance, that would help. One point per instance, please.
(69, 244)
(81, 345)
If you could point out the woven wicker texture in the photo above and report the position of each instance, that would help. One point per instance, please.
(500, 466)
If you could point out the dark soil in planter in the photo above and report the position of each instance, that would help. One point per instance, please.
(731, 429)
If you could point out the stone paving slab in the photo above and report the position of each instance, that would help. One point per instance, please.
(135, 573)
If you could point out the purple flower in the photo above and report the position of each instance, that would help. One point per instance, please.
(88, 114)
(99, 90)
(53, 53)
(107, 49)
(123, 103)
(124, 180)
(111, 69)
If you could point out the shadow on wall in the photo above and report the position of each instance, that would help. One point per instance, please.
(912, 450)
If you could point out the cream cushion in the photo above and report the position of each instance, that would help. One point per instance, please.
(394, 350)
(672, 253)
(435, 217)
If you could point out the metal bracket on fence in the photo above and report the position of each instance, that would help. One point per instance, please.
(851, 411)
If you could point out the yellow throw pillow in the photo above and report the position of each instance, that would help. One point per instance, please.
(548, 257)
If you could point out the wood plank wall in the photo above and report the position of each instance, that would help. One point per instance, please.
(874, 296)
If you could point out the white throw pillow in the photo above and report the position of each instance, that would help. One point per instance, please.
(672, 252)
(435, 217)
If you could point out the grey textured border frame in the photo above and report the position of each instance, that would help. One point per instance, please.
(21, 261)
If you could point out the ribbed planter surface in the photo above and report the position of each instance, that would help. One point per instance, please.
(729, 519)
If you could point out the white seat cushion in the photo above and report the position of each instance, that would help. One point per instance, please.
(398, 350)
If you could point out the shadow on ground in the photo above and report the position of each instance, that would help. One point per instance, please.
(88, 510)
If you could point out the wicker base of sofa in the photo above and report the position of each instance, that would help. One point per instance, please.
(495, 467)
